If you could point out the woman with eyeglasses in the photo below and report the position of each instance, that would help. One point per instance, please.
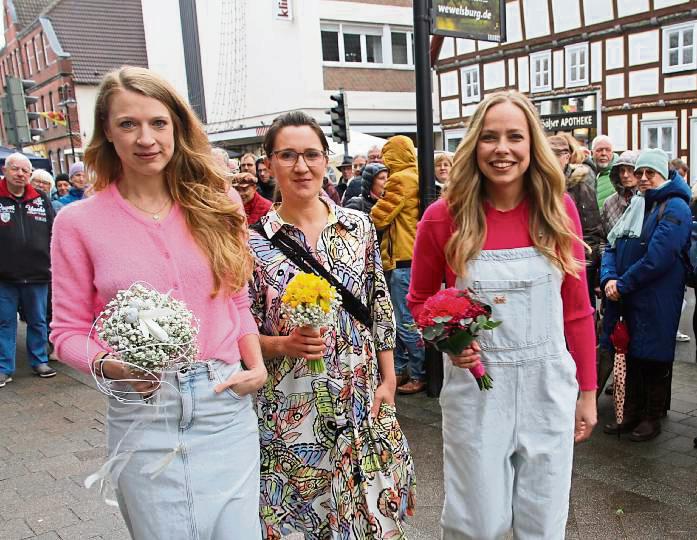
(643, 276)
(335, 463)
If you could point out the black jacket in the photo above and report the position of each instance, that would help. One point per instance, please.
(25, 236)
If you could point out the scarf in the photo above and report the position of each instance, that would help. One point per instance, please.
(632, 221)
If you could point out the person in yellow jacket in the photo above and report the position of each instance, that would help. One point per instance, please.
(396, 215)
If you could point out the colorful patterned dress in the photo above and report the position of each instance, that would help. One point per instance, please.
(328, 470)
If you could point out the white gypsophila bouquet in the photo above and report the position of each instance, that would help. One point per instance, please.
(148, 329)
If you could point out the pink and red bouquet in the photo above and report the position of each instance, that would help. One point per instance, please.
(451, 321)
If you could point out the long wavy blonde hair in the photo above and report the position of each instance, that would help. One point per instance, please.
(550, 227)
(193, 178)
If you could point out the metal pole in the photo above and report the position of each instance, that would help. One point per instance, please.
(424, 106)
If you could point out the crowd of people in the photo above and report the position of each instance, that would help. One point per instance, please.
(558, 239)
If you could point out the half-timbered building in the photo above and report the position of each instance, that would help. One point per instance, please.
(625, 68)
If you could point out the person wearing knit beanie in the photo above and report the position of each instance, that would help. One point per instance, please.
(78, 181)
(76, 168)
(654, 159)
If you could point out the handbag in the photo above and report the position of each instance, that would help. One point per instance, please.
(307, 263)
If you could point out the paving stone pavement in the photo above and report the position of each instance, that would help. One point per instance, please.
(52, 437)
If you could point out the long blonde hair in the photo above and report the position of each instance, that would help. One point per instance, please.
(550, 227)
(193, 178)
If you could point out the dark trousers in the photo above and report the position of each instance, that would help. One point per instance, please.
(647, 388)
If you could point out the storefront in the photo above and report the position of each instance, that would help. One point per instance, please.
(576, 114)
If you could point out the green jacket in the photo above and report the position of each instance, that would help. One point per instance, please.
(603, 185)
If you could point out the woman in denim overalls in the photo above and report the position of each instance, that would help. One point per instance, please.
(506, 230)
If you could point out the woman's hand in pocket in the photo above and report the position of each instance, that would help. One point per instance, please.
(468, 358)
(244, 382)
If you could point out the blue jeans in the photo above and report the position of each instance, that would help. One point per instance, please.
(32, 298)
(410, 351)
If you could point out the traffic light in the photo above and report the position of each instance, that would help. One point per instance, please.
(16, 116)
(339, 115)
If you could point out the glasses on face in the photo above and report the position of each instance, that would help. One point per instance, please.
(639, 174)
(373, 157)
(561, 153)
(15, 168)
(288, 158)
(626, 170)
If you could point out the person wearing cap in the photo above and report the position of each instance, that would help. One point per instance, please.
(643, 277)
(374, 177)
(579, 186)
(346, 170)
(78, 182)
(255, 206)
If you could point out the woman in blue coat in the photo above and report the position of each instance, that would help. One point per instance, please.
(643, 274)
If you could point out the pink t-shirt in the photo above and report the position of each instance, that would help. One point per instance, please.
(102, 245)
(506, 230)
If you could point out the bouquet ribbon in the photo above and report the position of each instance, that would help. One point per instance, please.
(146, 321)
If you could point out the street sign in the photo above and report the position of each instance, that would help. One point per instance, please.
(474, 19)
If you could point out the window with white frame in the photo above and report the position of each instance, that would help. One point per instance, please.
(541, 71)
(661, 134)
(470, 84)
(367, 46)
(679, 47)
(577, 65)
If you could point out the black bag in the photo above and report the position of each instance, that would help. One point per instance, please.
(307, 263)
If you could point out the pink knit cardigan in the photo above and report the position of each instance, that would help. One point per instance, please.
(102, 244)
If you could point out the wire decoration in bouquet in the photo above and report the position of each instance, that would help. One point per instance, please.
(309, 300)
(148, 331)
(451, 320)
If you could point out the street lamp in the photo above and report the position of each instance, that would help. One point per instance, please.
(66, 102)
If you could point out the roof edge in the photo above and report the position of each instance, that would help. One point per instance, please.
(52, 37)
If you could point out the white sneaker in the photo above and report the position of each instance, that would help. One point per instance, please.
(681, 337)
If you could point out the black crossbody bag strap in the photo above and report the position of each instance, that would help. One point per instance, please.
(307, 263)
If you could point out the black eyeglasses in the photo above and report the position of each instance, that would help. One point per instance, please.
(288, 158)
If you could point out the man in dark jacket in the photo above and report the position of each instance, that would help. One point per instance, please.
(26, 218)
(643, 275)
(266, 186)
(579, 186)
(374, 178)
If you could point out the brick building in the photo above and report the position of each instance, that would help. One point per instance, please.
(68, 46)
(625, 68)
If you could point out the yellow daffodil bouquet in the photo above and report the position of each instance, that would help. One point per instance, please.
(310, 300)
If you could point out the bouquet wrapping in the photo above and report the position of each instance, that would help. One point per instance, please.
(451, 320)
(147, 329)
(310, 301)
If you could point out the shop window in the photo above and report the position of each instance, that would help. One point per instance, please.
(577, 65)
(541, 71)
(661, 134)
(679, 48)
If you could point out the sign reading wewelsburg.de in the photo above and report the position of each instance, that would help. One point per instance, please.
(475, 19)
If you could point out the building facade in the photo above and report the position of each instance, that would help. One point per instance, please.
(262, 58)
(66, 47)
(625, 68)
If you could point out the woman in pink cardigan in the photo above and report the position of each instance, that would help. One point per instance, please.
(507, 230)
(187, 467)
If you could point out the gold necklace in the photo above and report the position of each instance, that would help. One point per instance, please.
(155, 215)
